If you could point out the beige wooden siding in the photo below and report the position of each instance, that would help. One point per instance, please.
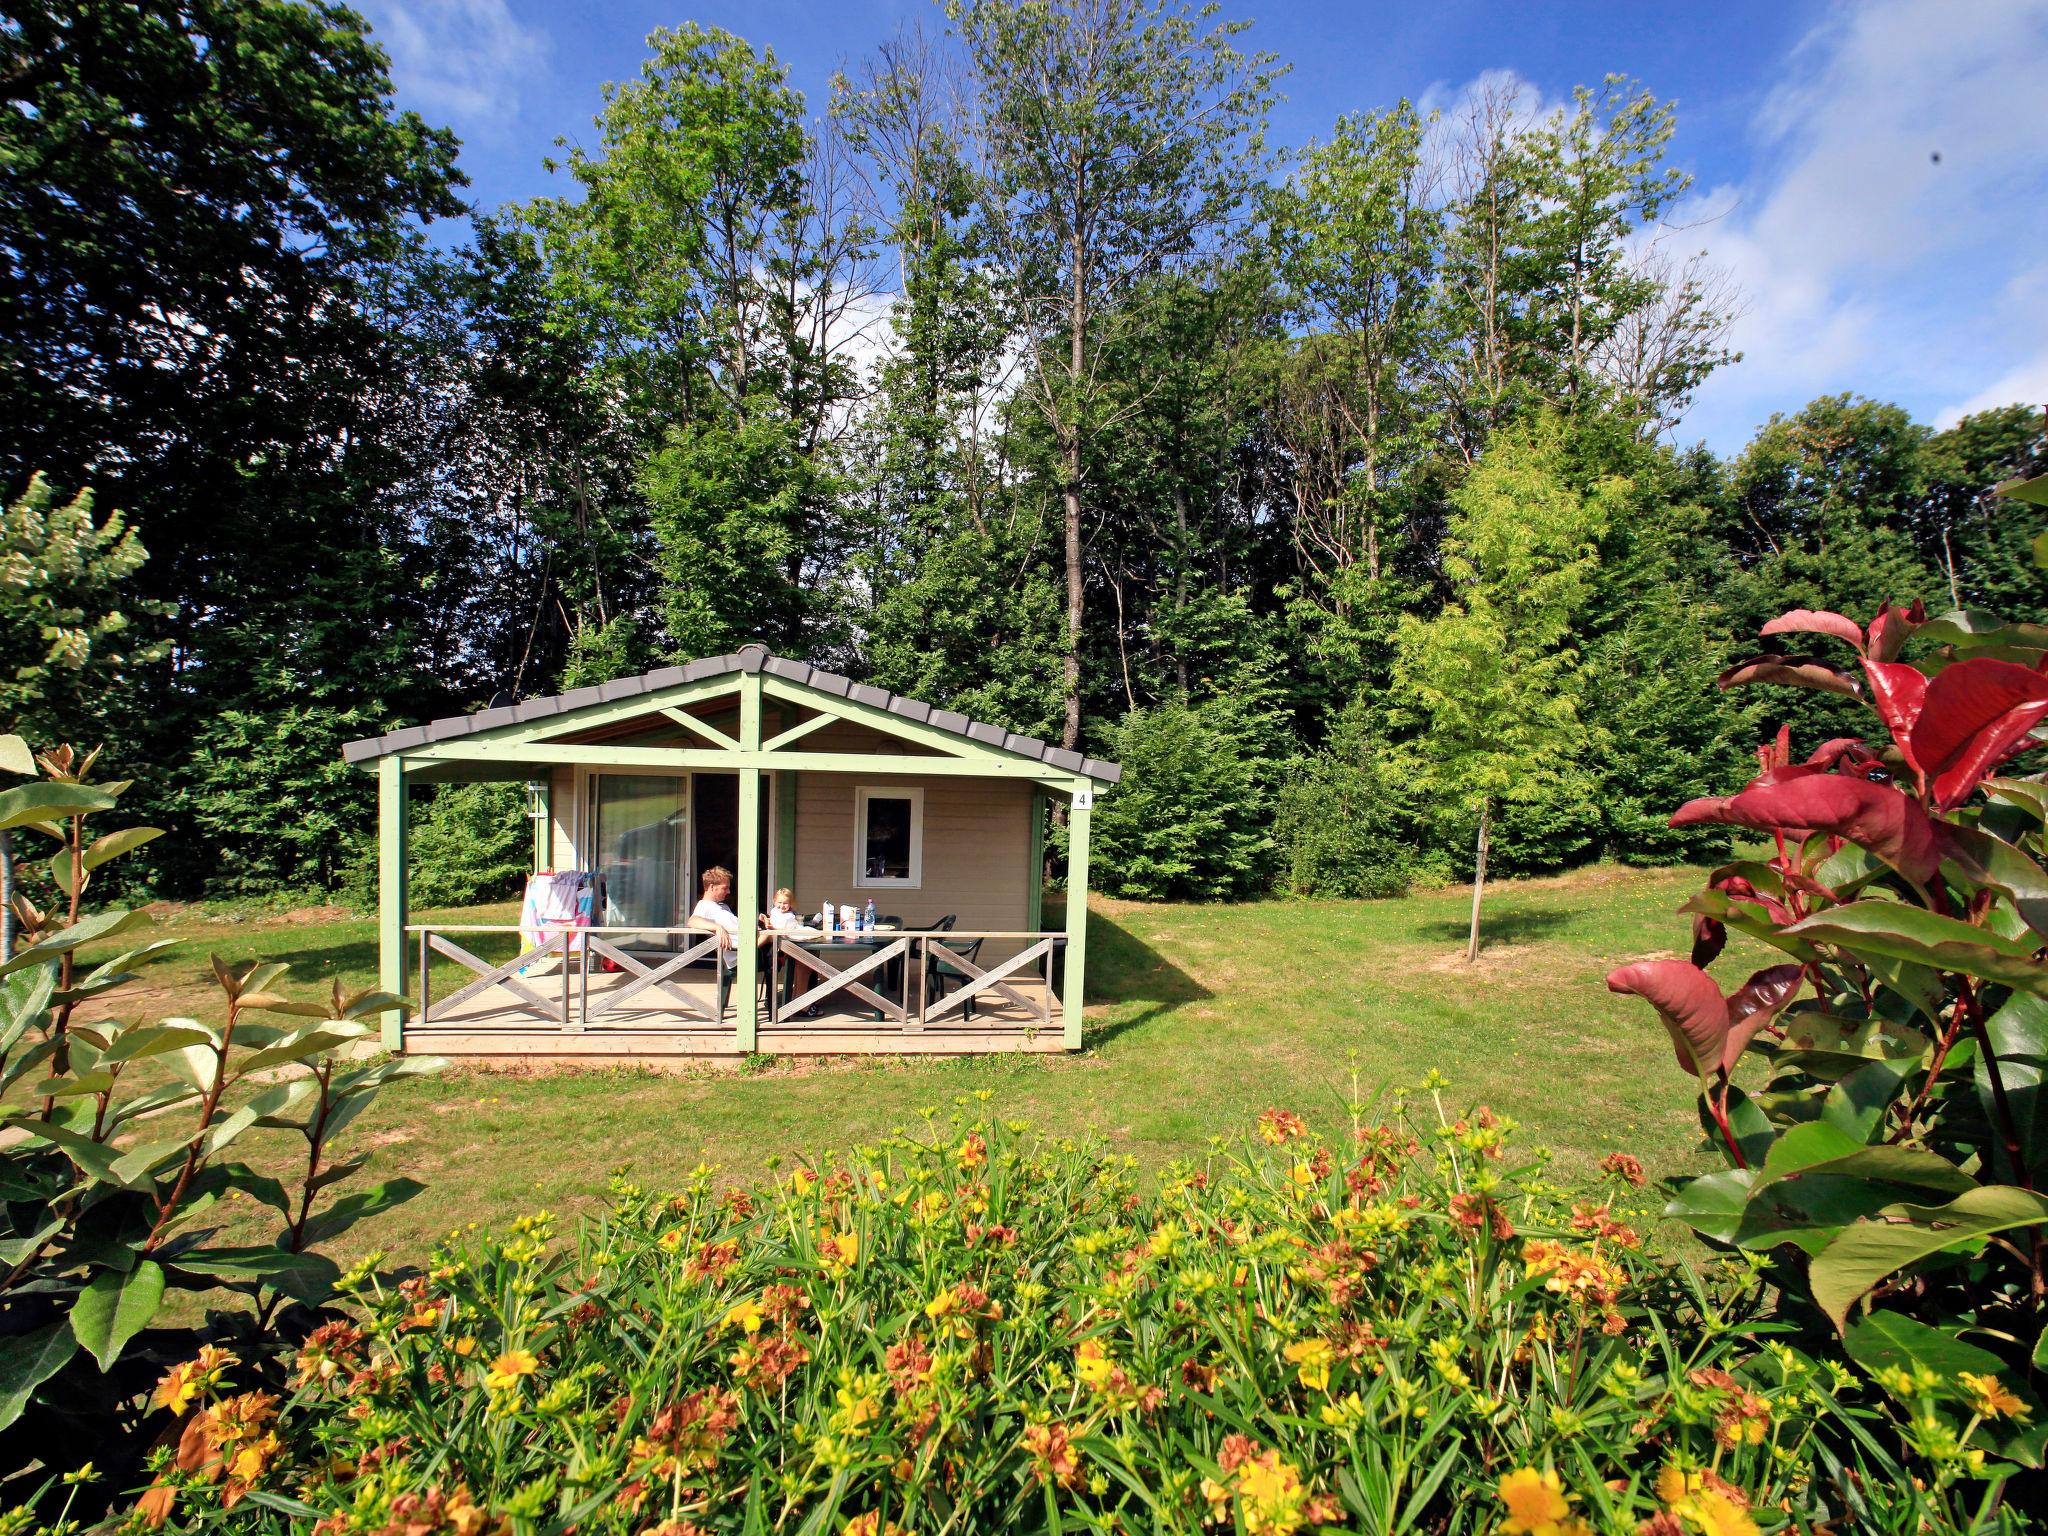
(562, 782)
(977, 849)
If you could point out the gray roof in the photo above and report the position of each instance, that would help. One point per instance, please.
(750, 658)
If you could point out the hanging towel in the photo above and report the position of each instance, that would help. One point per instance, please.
(556, 899)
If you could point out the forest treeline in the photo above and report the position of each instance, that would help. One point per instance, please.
(1331, 487)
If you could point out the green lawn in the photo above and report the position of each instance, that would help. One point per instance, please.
(1199, 1016)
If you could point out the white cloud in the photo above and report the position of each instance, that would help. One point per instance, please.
(1868, 263)
(464, 61)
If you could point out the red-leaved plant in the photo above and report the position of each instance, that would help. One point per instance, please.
(1890, 1165)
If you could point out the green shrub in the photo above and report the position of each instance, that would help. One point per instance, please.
(1888, 1167)
(1342, 831)
(1191, 817)
(475, 843)
(469, 843)
(117, 1134)
(972, 1328)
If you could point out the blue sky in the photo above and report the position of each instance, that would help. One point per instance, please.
(1810, 128)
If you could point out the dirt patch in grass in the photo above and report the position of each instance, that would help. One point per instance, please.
(198, 912)
(1543, 961)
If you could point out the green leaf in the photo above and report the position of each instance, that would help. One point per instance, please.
(101, 925)
(308, 1277)
(1892, 1339)
(1713, 1204)
(25, 1003)
(1826, 1046)
(27, 1362)
(1818, 1180)
(1972, 629)
(1856, 1105)
(2018, 1032)
(135, 1166)
(17, 757)
(114, 844)
(2032, 490)
(1987, 860)
(1855, 1262)
(94, 1159)
(350, 1209)
(115, 1307)
(2028, 794)
(302, 1044)
(1753, 1130)
(72, 1086)
(27, 803)
(1912, 933)
(142, 1040)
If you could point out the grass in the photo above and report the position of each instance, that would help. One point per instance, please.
(1199, 1016)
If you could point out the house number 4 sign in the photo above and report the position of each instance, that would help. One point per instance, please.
(1084, 799)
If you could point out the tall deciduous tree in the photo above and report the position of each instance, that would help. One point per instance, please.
(713, 265)
(1115, 137)
(1494, 679)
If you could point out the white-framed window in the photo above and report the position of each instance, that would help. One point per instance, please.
(888, 837)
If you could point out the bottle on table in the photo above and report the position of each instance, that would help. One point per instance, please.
(868, 917)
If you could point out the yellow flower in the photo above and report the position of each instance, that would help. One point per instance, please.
(1312, 1359)
(1706, 1502)
(838, 1252)
(1990, 1397)
(1718, 1515)
(509, 1367)
(1093, 1364)
(746, 1315)
(466, 1345)
(1536, 1503)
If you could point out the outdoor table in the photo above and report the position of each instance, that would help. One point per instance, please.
(837, 949)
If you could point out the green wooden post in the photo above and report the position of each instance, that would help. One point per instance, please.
(391, 860)
(544, 826)
(1034, 888)
(785, 830)
(747, 906)
(1078, 813)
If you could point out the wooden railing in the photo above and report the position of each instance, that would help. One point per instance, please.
(910, 979)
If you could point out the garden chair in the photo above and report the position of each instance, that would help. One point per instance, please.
(940, 974)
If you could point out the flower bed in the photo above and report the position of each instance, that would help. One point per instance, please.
(973, 1328)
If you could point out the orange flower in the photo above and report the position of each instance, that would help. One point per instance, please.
(1991, 1398)
(1279, 1126)
(1536, 1503)
(1054, 1458)
(508, 1368)
(1705, 1501)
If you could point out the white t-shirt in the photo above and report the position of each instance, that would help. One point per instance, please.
(791, 921)
(718, 912)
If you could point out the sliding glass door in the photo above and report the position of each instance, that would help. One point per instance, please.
(641, 827)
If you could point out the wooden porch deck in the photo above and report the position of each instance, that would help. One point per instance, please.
(597, 1013)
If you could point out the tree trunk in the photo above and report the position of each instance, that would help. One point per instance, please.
(6, 895)
(1478, 883)
(1070, 731)
(1180, 584)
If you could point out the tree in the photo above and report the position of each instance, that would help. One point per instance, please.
(1494, 680)
(64, 642)
(209, 210)
(713, 270)
(1357, 240)
(1115, 137)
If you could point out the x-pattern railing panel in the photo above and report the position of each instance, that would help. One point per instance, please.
(648, 977)
(992, 979)
(833, 978)
(505, 976)
(916, 952)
